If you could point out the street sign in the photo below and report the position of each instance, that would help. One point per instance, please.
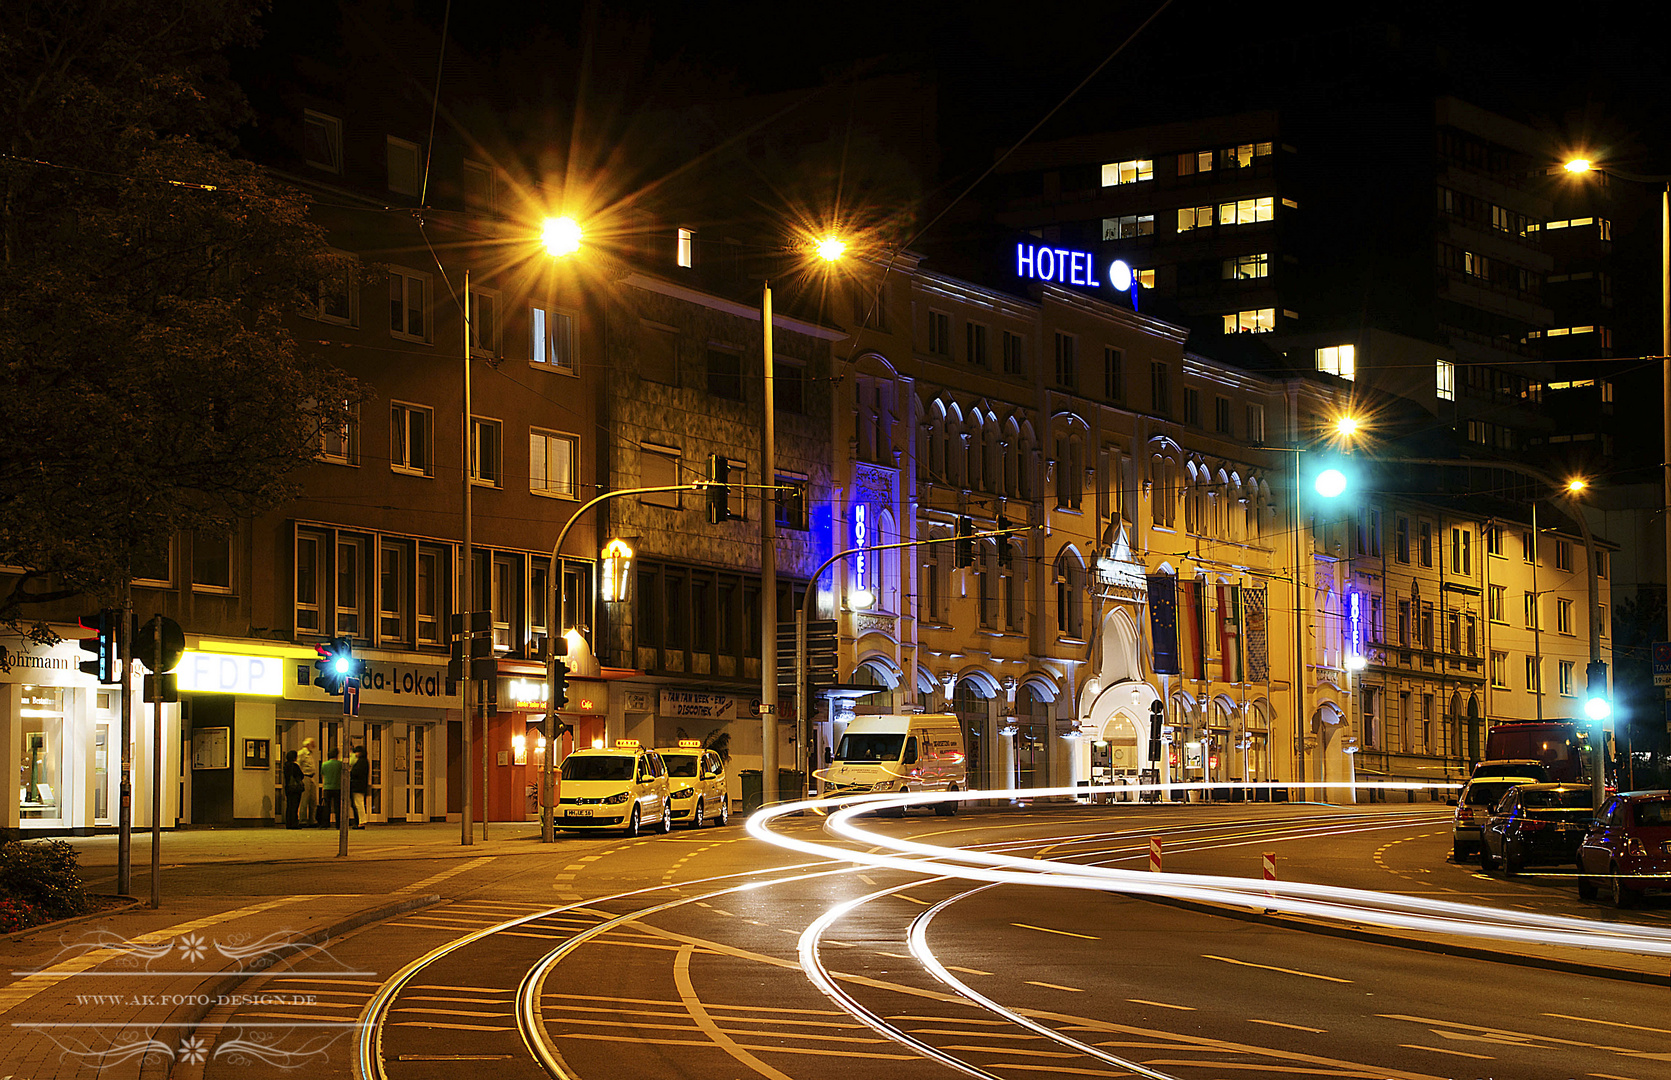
(351, 697)
(1662, 663)
(170, 690)
(173, 643)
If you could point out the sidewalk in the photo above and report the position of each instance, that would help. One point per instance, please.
(95, 997)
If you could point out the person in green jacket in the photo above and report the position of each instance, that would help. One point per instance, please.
(330, 787)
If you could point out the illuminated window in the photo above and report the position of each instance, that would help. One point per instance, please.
(1563, 615)
(1240, 157)
(1500, 670)
(1194, 217)
(1476, 265)
(1445, 374)
(1127, 172)
(687, 248)
(1144, 278)
(551, 464)
(1257, 321)
(1243, 267)
(1534, 674)
(1195, 162)
(1341, 360)
(1128, 226)
(1496, 603)
(404, 174)
(1247, 211)
(553, 338)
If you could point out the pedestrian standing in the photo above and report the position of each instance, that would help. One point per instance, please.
(294, 790)
(309, 765)
(330, 787)
(359, 785)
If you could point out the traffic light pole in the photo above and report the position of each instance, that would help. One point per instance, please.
(554, 586)
(802, 677)
(124, 827)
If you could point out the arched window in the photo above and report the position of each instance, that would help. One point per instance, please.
(956, 439)
(1163, 497)
(1012, 458)
(1070, 471)
(1070, 594)
(935, 436)
(873, 419)
(992, 450)
(886, 564)
(974, 451)
(1015, 588)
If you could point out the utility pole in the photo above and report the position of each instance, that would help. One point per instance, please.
(769, 792)
(124, 839)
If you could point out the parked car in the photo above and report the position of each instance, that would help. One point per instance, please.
(1511, 767)
(1536, 825)
(1473, 806)
(1628, 848)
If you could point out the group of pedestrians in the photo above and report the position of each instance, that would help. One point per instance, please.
(314, 788)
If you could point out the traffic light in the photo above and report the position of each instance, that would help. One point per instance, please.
(1157, 717)
(1004, 557)
(1597, 705)
(336, 665)
(105, 645)
(719, 494)
(964, 549)
(559, 685)
(1329, 475)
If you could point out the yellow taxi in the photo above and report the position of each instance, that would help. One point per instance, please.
(697, 779)
(623, 787)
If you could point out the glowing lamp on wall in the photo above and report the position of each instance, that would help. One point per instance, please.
(617, 571)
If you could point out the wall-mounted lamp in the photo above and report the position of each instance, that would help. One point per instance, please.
(617, 571)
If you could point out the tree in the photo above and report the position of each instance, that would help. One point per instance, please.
(146, 275)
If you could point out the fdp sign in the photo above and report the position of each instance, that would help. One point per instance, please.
(1064, 266)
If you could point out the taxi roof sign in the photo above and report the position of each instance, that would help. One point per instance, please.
(626, 744)
(690, 744)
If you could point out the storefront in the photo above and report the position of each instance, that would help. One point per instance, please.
(516, 737)
(63, 730)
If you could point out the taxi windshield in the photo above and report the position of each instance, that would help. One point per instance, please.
(602, 767)
(870, 747)
(680, 764)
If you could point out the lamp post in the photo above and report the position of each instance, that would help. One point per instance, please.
(1580, 166)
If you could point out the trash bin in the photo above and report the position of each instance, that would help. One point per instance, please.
(751, 790)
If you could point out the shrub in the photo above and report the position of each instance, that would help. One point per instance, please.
(19, 915)
(42, 874)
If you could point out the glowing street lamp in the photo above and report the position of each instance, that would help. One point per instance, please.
(1579, 165)
(830, 248)
(1577, 484)
(1347, 426)
(561, 236)
(1330, 483)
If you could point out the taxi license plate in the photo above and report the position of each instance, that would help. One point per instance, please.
(577, 813)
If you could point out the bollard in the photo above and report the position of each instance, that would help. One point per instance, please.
(1154, 854)
(1269, 866)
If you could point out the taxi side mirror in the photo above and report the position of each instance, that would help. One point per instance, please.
(1451, 801)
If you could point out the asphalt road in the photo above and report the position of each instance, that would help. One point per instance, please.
(713, 954)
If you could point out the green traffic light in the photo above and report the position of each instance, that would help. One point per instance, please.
(1330, 483)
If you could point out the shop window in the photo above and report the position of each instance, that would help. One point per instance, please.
(41, 769)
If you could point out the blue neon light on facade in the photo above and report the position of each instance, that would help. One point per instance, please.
(861, 535)
(1060, 265)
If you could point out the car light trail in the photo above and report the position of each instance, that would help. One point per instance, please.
(1299, 898)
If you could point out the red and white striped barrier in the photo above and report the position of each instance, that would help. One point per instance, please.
(1268, 864)
(1154, 854)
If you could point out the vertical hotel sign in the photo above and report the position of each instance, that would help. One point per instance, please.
(1354, 629)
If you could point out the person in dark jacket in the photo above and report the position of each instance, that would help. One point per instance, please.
(359, 785)
(295, 784)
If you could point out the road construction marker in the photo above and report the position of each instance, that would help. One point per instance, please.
(1154, 854)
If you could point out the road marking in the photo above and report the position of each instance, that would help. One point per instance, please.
(1610, 1076)
(913, 899)
(34, 982)
(454, 1000)
(1053, 986)
(1057, 1069)
(1296, 1027)
(763, 1049)
(455, 1012)
(1267, 967)
(1609, 1023)
(671, 1004)
(1454, 1053)
(966, 971)
(1502, 1035)
(447, 1027)
(1048, 930)
(466, 989)
(444, 875)
(453, 1057)
(1015, 1050)
(1163, 1005)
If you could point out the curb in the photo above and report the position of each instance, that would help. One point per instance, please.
(184, 1019)
(131, 903)
(1443, 948)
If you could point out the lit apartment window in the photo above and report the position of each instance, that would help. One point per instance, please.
(1566, 673)
(1497, 604)
(1240, 157)
(551, 463)
(1128, 226)
(322, 141)
(687, 248)
(411, 431)
(1127, 172)
(1146, 279)
(1500, 670)
(1194, 217)
(339, 442)
(1445, 375)
(1246, 267)
(1247, 211)
(1341, 360)
(1257, 321)
(553, 338)
(1530, 602)
(1476, 265)
(404, 170)
(1462, 551)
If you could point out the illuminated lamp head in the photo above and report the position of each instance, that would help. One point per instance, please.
(1119, 275)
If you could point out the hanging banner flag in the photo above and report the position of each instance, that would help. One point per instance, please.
(1163, 622)
(1230, 631)
(1255, 620)
(1192, 616)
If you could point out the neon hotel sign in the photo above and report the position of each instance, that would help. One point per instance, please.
(1067, 267)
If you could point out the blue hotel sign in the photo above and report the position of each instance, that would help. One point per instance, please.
(1064, 266)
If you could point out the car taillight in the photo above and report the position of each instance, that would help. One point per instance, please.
(1531, 824)
(1464, 814)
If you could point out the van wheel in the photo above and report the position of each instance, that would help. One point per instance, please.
(632, 822)
(696, 814)
(665, 825)
(949, 807)
(724, 812)
(895, 811)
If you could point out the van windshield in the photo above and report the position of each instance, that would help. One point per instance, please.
(869, 747)
(602, 767)
(680, 764)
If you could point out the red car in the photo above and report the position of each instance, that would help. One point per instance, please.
(1628, 848)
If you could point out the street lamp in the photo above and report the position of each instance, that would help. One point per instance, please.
(1579, 166)
(561, 236)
